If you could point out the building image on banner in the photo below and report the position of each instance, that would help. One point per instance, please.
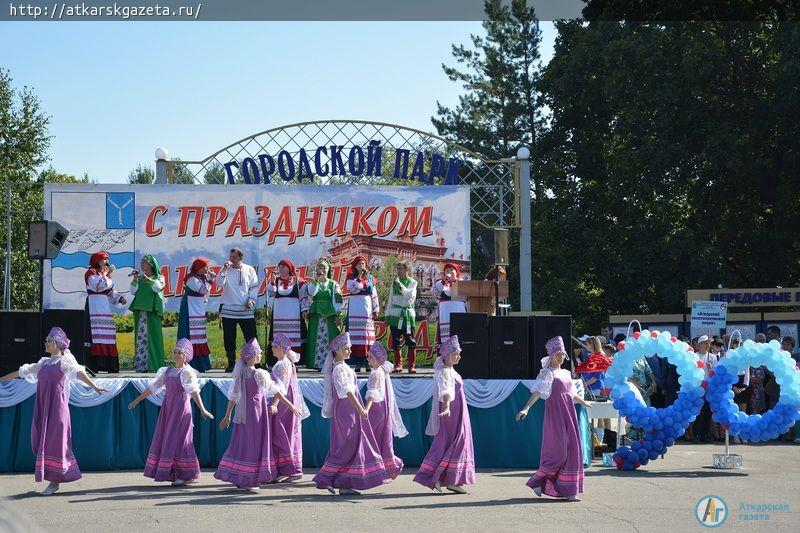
(426, 227)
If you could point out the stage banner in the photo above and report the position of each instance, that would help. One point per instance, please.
(426, 226)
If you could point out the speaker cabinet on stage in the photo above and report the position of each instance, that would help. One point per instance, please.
(45, 239)
(20, 339)
(473, 336)
(543, 328)
(491, 246)
(73, 322)
(508, 347)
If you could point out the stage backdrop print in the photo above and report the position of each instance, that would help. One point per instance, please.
(426, 226)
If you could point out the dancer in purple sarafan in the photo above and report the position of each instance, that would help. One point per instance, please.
(560, 472)
(51, 428)
(287, 437)
(384, 415)
(248, 462)
(172, 456)
(354, 461)
(451, 459)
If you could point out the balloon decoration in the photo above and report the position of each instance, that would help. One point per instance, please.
(661, 426)
(776, 421)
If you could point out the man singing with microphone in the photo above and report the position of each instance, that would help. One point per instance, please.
(239, 284)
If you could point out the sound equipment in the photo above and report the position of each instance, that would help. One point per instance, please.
(73, 322)
(508, 347)
(473, 336)
(540, 330)
(20, 339)
(45, 239)
(491, 246)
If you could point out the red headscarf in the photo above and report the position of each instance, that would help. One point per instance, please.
(454, 267)
(357, 259)
(97, 257)
(292, 272)
(200, 262)
(94, 261)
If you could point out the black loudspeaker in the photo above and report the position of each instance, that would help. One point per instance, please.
(508, 347)
(20, 339)
(491, 246)
(473, 336)
(73, 322)
(45, 239)
(540, 330)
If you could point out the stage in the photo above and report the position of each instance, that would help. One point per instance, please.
(108, 436)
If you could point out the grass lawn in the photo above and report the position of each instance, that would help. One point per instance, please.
(218, 359)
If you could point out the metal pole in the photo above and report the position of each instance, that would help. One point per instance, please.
(525, 270)
(7, 279)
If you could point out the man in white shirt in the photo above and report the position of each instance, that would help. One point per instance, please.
(702, 426)
(239, 284)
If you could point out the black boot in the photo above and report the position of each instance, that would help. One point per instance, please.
(231, 362)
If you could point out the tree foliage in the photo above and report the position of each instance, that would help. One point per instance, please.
(668, 159)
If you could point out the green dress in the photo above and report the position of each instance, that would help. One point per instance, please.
(326, 304)
(148, 309)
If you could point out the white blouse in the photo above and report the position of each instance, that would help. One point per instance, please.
(343, 379)
(69, 366)
(102, 283)
(188, 377)
(376, 384)
(157, 285)
(265, 383)
(199, 286)
(544, 382)
(446, 382)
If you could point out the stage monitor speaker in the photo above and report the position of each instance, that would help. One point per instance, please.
(473, 336)
(73, 322)
(20, 339)
(543, 328)
(45, 239)
(508, 347)
(491, 246)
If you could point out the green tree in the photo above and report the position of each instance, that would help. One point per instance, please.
(215, 174)
(24, 141)
(142, 174)
(499, 111)
(670, 163)
(180, 172)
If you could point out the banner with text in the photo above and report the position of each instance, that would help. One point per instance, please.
(427, 226)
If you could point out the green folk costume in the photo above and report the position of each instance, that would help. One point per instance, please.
(148, 309)
(326, 303)
(400, 311)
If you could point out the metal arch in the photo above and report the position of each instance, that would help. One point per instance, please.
(494, 196)
(342, 121)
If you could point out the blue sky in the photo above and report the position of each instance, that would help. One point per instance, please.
(115, 91)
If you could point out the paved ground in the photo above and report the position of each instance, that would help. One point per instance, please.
(660, 498)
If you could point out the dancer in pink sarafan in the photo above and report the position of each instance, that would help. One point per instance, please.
(560, 472)
(354, 461)
(384, 415)
(287, 436)
(451, 458)
(248, 462)
(172, 456)
(51, 428)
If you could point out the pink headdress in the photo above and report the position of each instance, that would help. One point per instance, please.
(251, 350)
(449, 346)
(340, 341)
(59, 337)
(185, 347)
(553, 346)
(379, 352)
(283, 341)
